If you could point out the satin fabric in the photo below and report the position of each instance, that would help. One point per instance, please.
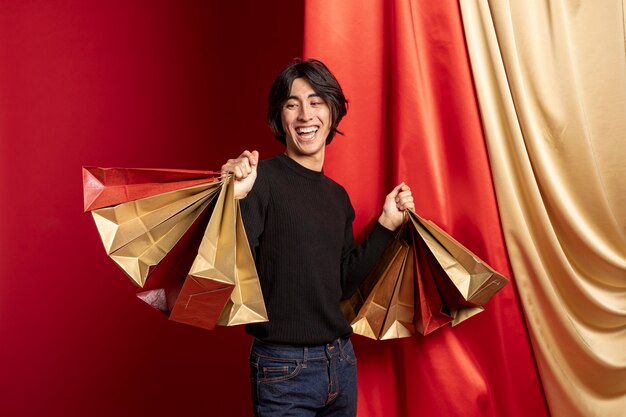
(119, 83)
(413, 117)
(551, 78)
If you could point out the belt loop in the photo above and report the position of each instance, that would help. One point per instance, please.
(306, 354)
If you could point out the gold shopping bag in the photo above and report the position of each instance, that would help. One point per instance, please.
(369, 308)
(399, 321)
(222, 286)
(211, 278)
(246, 304)
(430, 311)
(138, 234)
(154, 239)
(465, 282)
(424, 280)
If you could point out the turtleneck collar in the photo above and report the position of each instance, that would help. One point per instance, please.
(299, 169)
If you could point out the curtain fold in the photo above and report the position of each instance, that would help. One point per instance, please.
(551, 82)
(413, 116)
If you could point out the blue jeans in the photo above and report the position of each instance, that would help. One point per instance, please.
(290, 381)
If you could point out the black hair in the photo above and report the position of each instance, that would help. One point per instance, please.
(323, 83)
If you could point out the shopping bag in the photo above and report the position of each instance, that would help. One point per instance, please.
(465, 282)
(423, 281)
(222, 284)
(376, 309)
(352, 305)
(156, 237)
(138, 234)
(430, 311)
(246, 304)
(105, 187)
(399, 321)
(162, 289)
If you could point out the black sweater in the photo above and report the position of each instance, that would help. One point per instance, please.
(299, 224)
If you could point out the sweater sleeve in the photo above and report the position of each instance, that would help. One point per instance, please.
(358, 261)
(254, 210)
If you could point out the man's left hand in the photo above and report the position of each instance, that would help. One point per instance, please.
(398, 200)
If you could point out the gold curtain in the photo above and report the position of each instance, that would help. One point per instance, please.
(551, 84)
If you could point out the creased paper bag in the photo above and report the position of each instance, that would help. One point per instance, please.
(424, 280)
(105, 187)
(138, 234)
(400, 318)
(465, 282)
(369, 307)
(430, 310)
(222, 284)
(246, 304)
(173, 235)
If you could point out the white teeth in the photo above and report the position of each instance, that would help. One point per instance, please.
(302, 130)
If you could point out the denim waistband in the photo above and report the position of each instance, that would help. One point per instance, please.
(304, 353)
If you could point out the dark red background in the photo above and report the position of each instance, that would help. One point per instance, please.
(114, 83)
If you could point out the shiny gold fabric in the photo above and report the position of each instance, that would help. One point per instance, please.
(551, 83)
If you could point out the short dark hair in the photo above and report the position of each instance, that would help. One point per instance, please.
(323, 83)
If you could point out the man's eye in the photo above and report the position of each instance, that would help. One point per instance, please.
(316, 103)
(290, 106)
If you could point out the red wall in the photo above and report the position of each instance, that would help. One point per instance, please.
(139, 83)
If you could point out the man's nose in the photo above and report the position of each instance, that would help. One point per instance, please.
(305, 112)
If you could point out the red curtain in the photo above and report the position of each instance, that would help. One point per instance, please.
(413, 116)
(142, 83)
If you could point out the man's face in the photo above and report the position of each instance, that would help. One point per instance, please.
(306, 121)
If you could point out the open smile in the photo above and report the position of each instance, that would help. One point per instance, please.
(307, 132)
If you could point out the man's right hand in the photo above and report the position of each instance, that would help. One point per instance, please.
(244, 172)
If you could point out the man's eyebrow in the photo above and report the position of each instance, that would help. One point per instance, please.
(309, 96)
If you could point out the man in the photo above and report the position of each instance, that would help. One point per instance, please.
(299, 224)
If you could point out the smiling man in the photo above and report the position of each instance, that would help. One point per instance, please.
(299, 224)
(306, 121)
